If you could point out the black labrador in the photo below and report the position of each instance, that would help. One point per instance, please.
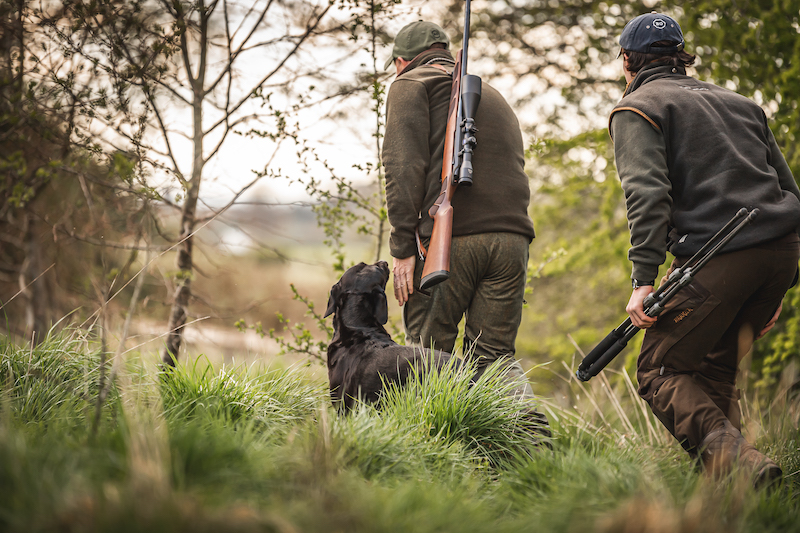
(362, 355)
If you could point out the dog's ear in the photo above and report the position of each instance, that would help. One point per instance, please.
(333, 300)
(381, 310)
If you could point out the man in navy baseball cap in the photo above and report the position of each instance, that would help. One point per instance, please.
(652, 33)
(689, 154)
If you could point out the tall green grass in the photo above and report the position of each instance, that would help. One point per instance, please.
(200, 448)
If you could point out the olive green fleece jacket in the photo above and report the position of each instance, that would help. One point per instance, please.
(690, 155)
(416, 118)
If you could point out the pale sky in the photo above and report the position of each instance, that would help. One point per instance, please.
(343, 142)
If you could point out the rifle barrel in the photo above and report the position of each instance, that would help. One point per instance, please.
(456, 163)
(601, 348)
(465, 38)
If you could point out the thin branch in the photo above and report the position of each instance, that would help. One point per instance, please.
(232, 56)
(28, 285)
(105, 244)
(166, 333)
(165, 134)
(125, 330)
(309, 31)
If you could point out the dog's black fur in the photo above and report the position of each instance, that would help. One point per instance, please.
(362, 355)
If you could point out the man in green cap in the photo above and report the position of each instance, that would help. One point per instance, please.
(690, 155)
(491, 227)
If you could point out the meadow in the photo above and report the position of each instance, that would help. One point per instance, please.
(124, 446)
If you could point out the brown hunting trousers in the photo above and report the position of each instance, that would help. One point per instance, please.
(689, 360)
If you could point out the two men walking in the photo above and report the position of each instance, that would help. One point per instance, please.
(689, 155)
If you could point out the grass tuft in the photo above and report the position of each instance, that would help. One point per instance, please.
(277, 398)
(484, 416)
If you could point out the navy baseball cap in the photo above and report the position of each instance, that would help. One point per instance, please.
(641, 34)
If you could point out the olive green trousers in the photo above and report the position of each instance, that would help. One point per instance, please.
(486, 287)
(488, 273)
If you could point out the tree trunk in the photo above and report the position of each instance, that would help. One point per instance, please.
(35, 292)
(183, 291)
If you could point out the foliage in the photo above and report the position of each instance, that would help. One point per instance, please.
(177, 85)
(339, 202)
(342, 203)
(555, 57)
(578, 209)
(202, 449)
(302, 340)
(64, 203)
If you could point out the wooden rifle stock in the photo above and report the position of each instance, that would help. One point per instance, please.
(459, 142)
(437, 260)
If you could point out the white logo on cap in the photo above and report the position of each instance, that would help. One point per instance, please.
(659, 24)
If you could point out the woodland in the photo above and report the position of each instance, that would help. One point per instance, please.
(181, 182)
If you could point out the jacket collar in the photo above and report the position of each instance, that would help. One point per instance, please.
(429, 56)
(652, 72)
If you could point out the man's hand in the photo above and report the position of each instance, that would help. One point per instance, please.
(771, 323)
(403, 270)
(635, 307)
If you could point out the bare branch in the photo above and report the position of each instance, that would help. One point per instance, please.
(232, 56)
(23, 289)
(311, 25)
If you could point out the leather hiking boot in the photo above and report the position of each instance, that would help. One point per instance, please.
(765, 472)
(725, 447)
(719, 449)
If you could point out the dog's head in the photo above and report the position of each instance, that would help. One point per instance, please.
(361, 293)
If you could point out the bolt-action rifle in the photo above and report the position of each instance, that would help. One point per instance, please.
(612, 345)
(459, 143)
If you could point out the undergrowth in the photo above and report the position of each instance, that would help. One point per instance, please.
(199, 448)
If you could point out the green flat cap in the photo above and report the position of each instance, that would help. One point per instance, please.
(415, 38)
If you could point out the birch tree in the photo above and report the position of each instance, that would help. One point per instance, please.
(198, 74)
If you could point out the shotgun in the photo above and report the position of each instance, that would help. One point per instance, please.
(459, 144)
(613, 344)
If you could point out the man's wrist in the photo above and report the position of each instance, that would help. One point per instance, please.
(636, 283)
